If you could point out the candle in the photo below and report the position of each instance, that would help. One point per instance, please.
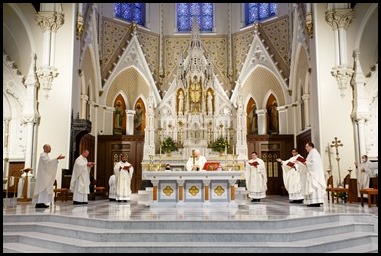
(233, 150)
(160, 149)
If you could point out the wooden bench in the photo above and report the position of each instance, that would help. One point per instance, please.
(370, 192)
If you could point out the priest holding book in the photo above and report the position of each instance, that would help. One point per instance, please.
(256, 178)
(291, 170)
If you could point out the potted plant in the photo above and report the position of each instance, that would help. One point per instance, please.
(168, 145)
(220, 145)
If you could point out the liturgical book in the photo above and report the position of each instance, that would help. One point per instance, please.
(291, 164)
(255, 163)
(301, 159)
(211, 166)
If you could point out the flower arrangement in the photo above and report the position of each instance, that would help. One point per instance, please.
(168, 145)
(220, 145)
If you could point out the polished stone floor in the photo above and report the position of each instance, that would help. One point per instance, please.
(270, 208)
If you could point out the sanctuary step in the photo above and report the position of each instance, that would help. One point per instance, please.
(330, 233)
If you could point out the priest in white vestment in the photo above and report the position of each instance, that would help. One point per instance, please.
(196, 162)
(256, 178)
(80, 179)
(112, 188)
(123, 171)
(46, 175)
(315, 184)
(291, 177)
(363, 172)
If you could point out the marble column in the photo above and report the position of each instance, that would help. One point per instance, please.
(130, 122)
(262, 121)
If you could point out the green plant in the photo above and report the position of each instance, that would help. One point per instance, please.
(342, 195)
(220, 145)
(168, 145)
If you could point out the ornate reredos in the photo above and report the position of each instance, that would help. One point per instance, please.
(195, 110)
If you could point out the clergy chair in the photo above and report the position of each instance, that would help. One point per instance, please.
(335, 192)
(60, 193)
(370, 192)
(98, 192)
(329, 186)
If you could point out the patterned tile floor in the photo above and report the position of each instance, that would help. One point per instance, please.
(270, 208)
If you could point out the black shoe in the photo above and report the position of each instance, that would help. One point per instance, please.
(293, 202)
(124, 201)
(313, 205)
(42, 205)
(76, 202)
(119, 201)
(84, 202)
(112, 199)
(298, 201)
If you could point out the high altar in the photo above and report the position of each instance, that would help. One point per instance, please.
(195, 112)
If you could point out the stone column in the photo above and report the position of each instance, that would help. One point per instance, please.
(180, 183)
(206, 190)
(306, 104)
(283, 120)
(130, 122)
(154, 190)
(262, 121)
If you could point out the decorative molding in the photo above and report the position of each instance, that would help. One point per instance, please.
(51, 21)
(45, 77)
(340, 18)
(343, 75)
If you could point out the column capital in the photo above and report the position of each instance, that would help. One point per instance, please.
(51, 21)
(339, 18)
(343, 75)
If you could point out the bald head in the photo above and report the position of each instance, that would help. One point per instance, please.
(47, 148)
(197, 153)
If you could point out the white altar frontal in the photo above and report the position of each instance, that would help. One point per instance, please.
(193, 188)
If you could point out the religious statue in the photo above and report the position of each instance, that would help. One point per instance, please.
(195, 95)
(253, 120)
(210, 103)
(273, 117)
(118, 116)
(181, 102)
(138, 118)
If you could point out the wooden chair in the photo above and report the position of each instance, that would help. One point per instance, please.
(99, 191)
(329, 186)
(345, 189)
(60, 193)
(370, 192)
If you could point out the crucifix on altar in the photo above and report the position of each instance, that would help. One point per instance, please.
(337, 143)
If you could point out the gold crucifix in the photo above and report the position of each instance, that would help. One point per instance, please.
(337, 143)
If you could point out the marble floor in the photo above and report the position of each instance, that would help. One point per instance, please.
(271, 208)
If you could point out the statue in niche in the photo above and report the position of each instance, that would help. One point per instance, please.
(195, 95)
(210, 103)
(138, 118)
(273, 118)
(253, 120)
(118, 116)
(181, 102)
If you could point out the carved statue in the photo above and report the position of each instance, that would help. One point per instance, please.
(195, 95)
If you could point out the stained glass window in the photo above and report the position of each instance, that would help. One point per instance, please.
(203, 12)
(259, 11)
(132, 12)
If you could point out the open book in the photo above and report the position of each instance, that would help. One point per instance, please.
(255, 163)
(301, 159)
(211, 166)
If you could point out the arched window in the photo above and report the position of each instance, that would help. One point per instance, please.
(132, 12)
(259, 11)
(203, 12)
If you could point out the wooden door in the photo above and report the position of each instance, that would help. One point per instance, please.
(269, 148)
(274, 172)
